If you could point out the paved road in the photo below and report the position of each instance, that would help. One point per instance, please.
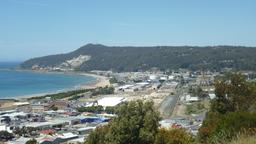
(168, 104)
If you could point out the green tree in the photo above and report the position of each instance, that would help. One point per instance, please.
(233, 93)
(137, 123)
(110, 109)
(197, 91)
(5, 136)
(54, 108)
(103, 91)
(232, 111)
(26, 131)
(113, 80)
(32, 141)
(98, 136)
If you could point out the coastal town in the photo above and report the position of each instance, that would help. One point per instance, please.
(127, 72)
(182, 97)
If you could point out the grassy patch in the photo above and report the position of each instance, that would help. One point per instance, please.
(195, 108)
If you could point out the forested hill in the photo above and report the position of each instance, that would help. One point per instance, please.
(100, 57)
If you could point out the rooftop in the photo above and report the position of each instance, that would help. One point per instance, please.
(110, 101)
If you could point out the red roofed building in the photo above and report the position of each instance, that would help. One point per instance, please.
(47, 132)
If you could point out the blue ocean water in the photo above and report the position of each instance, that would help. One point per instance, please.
(14, 83)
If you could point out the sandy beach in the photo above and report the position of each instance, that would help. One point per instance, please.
(101, 81)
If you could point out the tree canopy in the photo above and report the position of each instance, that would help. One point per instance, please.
(232, 112)
(137, 123)
(5, 136)
(32, 141)
(233, 93)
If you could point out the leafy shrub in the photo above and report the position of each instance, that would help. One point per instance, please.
(174, 136)
(218, 128)
(102, 91)
(137, 123)
(5, 136)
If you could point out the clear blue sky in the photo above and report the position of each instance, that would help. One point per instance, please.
(30, 28)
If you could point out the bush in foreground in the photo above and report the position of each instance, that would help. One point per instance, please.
(244, 139)
(174, 136)
(137, 123)
(32, 141)
(232, 112)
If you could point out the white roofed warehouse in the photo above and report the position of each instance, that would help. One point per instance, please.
(110, 101)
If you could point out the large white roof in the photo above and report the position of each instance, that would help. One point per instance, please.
(12, 115)
(21, 103)
(67, 135)
(125, 86)
(110, 101)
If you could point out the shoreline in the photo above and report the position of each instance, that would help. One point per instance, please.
(100, 81)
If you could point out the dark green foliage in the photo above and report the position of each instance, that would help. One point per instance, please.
(31, 141)
(233, 93)
(76, 94)
(113, 80)
(62, 95)
(231, 112)
(92, 109)
(110, 110)
(162, 57)
(54, 108)
(219, 128)
(195, 108)
(102, 91)
(98, 136)
(209, 125)
(196, 91)
(75, 97)
(137, 123)
(5, 136)
(26, 131)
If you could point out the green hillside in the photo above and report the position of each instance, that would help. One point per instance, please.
(163, 57)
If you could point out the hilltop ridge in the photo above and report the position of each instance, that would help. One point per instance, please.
(132, 58)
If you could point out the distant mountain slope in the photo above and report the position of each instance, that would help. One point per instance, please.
(100, 57)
